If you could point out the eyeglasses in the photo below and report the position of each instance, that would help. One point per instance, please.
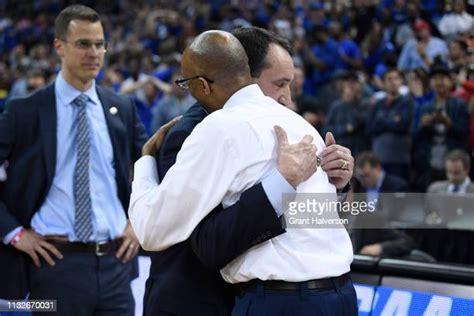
(85, 44)
(183, 83)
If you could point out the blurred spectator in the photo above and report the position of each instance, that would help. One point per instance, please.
(389, 126)
(381, 242)
(421, 52)
(112, 79)
(316, 17)
(306, 105)
(458, 166)
(35, 80)
(174, 103)
(151, 88)
(376, 50)
(322, 56)
(458, 59)
(135, 76)
(372, 180)
(444, 126)
(420, 91)
(349, 52)
(4, 84)
(456, 22)
(347, 117)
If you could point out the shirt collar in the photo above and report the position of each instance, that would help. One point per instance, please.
(462, 187)
(247, 92)
(379, 182)
(67, 93)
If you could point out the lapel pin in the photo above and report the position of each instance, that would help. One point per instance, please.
(113, 110)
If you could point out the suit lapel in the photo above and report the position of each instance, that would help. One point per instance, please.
(48, 126)
(112, 118)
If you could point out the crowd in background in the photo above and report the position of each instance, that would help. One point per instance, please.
(393, 77)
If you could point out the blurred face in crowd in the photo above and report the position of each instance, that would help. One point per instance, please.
(298, 82)
(35, 83)
(368, 175)
(455, 51)
(81, 52)
(175, 90)
(275, 80)
(441, 84)
(458, 6)
(392, 82)
(352, 89)
(150, 91)
(456, 172)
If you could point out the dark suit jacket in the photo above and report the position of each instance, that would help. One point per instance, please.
(184, 279)
(28, 143)
(394, 243)
(456, 135)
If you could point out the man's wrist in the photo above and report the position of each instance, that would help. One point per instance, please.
(345, 189)
(16, 238)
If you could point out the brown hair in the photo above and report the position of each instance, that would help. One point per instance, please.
(73, 12)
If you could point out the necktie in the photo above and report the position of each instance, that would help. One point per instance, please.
(456, 188)
(82, 199)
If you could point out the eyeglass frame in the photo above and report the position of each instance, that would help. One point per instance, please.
(182, 82)
(86, 45)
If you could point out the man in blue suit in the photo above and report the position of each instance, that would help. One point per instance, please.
(70, 147)
(184, 279)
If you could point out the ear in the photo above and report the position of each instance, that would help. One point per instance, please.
(206, 88)
(58, 46)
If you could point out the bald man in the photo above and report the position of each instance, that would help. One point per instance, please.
(230, 151)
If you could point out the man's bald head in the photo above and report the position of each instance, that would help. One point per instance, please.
(217, 55)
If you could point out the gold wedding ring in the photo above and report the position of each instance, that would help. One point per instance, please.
(344, 165)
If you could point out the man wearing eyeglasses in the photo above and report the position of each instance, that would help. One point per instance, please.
(62, 210)
(187, 272)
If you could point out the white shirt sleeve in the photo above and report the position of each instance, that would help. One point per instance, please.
(166, 214)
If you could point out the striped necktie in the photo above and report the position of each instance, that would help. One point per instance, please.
(82, 198)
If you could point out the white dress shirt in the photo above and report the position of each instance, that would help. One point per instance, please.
(228, 152)
(462, 187)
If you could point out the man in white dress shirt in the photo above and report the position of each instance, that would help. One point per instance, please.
(232, 149)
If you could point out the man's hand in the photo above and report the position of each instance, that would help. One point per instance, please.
(154, 143)
(130, 245)
(374, 250)
(443, 119)
(427, 119)
(35, 246)
(296, 162)
(337, 161)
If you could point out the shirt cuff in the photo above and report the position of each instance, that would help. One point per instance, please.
(10, 235)
(275, 186)
(145, 168)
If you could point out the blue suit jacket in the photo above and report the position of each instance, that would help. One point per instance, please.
(184, 279)
(28, 143)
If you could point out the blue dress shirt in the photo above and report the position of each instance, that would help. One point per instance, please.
(56, 215)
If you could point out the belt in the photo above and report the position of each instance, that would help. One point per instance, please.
(100, 248)
(275, 285)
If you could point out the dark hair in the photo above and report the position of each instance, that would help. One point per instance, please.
(35, 72)
(460, 155)
(256, 42)
(367, 157)
(73, 12)
(392, 69)
(462, 44)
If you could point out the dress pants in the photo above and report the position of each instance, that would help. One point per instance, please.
(335, 301)
(85, 284)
